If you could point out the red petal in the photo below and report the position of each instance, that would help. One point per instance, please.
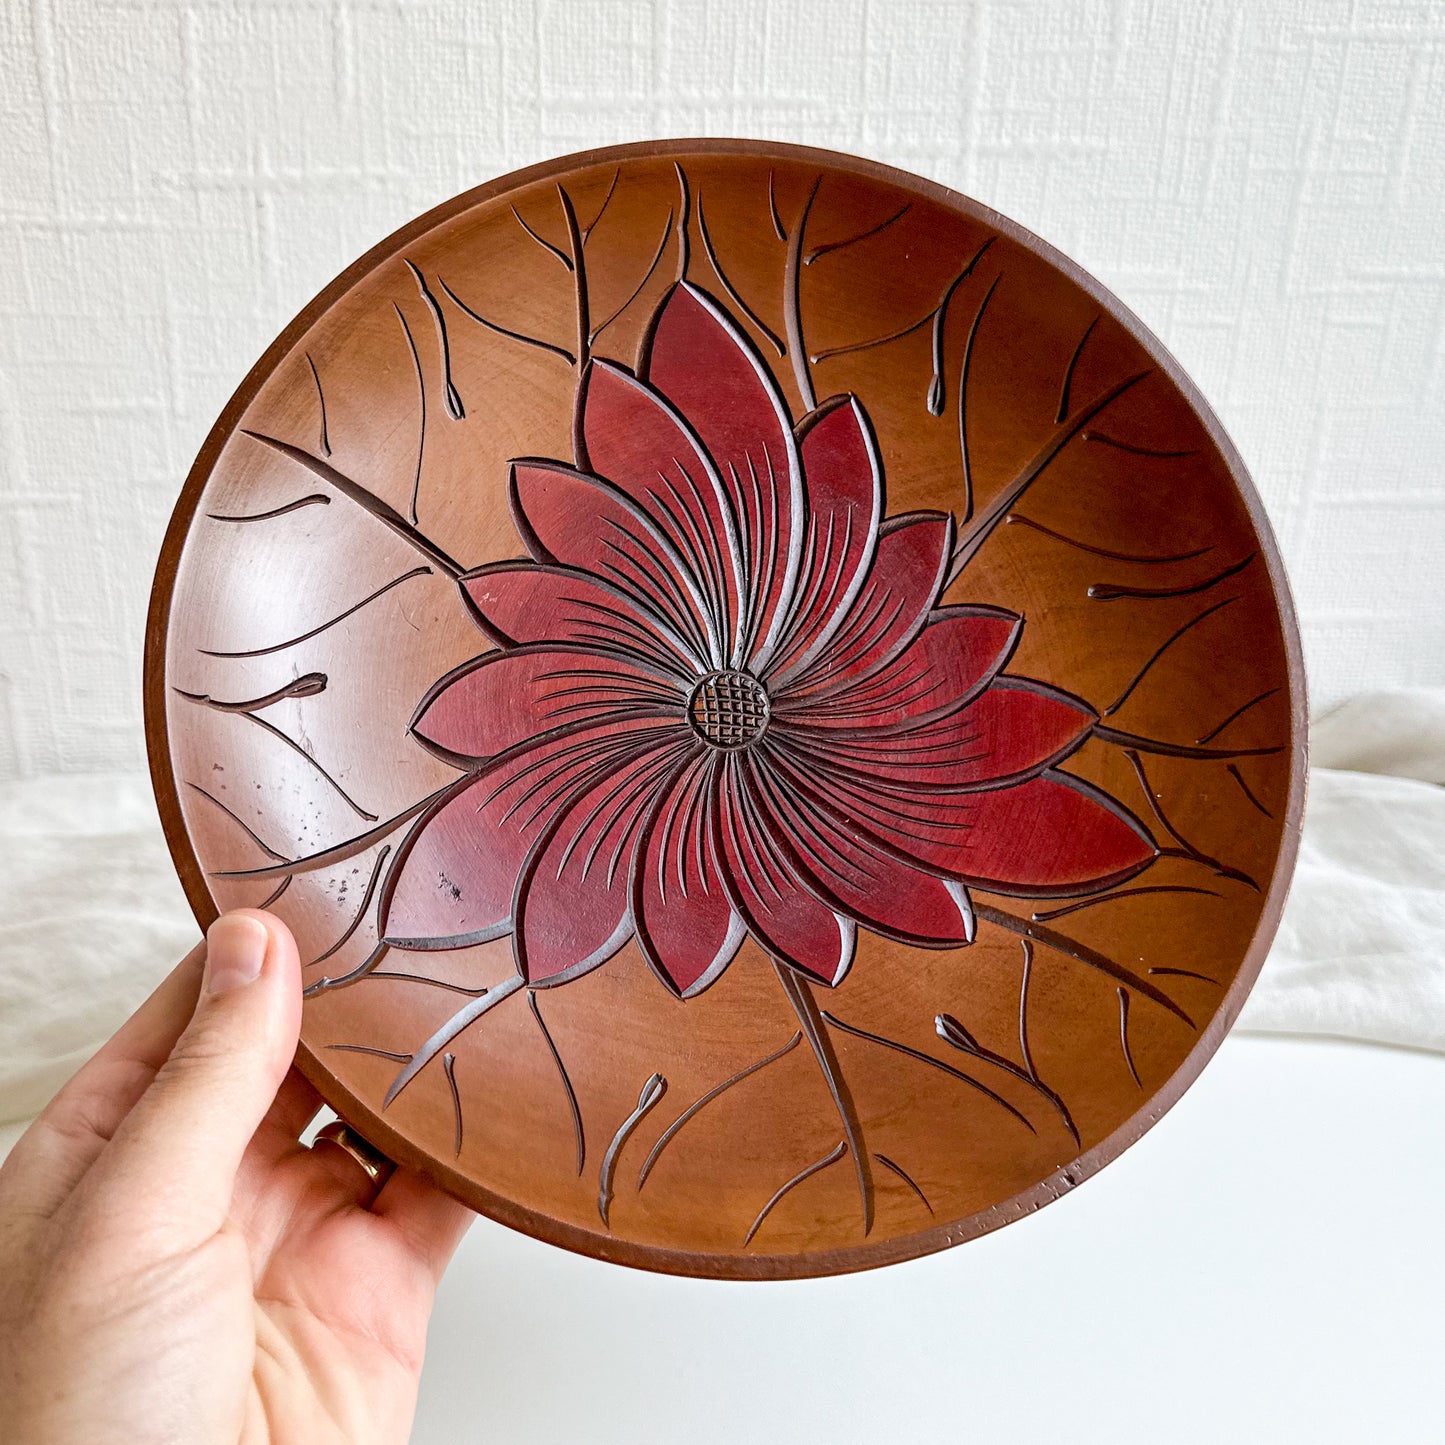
(786, 919)
(843, 481)
(1054, 835)
(521, 602)
(882, 891)
(636, 440)
(573, 891)
(453, 879)
(503, 699)
(890, 609)
(956, 655)
(686, 927)
(1015, 729)
(928, 828)
(698, 359)
(580, 521)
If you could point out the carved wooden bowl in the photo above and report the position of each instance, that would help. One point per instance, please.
(768, 700)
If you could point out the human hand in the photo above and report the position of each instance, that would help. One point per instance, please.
(175, 1266)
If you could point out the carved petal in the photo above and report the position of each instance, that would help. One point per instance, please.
(519, 602)
(572, 903)
(890, 609)
(1011, 732)
(453, 879)
(566, 516)
(501, 700)
(708, 370)
(635, 439)
(880, 890)
(843, 480)
(1054, 835)
(789, 921)
(687, 928)
(950, 662)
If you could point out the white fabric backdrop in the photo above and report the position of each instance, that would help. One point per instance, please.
(1263, 183)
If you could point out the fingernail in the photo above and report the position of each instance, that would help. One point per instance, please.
(235, 949)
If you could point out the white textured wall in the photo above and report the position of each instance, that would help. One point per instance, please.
(1263, 182)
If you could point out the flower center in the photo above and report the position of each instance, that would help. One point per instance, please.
(729, 709)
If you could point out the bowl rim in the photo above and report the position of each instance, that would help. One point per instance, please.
(842, 1259)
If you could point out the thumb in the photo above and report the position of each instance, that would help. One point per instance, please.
(171, 1165)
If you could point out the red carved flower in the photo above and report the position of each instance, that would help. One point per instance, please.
(726, 701)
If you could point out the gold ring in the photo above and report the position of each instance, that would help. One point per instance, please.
(374, 1163)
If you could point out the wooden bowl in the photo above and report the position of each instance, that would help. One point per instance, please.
(768, 700)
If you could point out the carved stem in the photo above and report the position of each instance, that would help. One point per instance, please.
(952, 1032)
(792, 308)
(382, 511)
(1122, 739)
(816, 1033)
(459, 1021)
(303, 687)
(652, 1091)
(718, 1089)
(636, 290)
(338, 852)
(579, 280)
(1113, 591)
(963, 372)
(923, 1058)
(816, 1167)
(1234, 717)
(450, 395)
(982, 528)
(1186, 848)
(421, 400)
(365, 969)
(577, 1129)
(320, 627)
(1084, 954)
(684, 210)
(355, 923)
